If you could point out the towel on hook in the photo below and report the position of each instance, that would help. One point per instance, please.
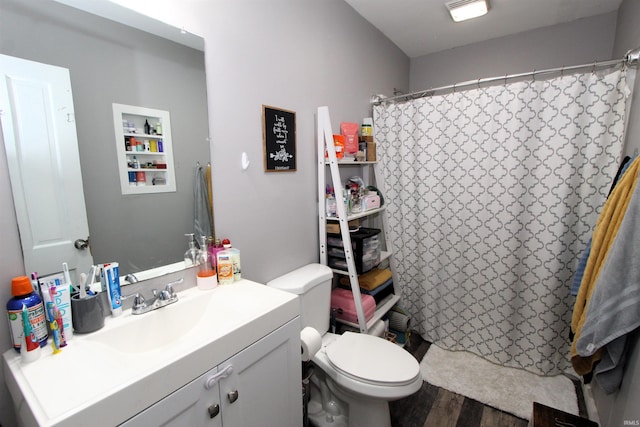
(202, 216)
(582, 263)
(606, 307)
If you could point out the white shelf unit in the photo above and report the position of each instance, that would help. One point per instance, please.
(156, 161)
(325, 144)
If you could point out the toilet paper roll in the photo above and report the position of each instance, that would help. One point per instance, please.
(377, 329)
(311, 342)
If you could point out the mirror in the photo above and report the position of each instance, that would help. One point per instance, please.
(113, 63)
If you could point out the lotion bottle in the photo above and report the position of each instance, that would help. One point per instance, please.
(235, 259)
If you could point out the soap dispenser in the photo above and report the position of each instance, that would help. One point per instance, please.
(206, 278)
(191, 255)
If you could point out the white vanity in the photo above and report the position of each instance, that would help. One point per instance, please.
(225, 357)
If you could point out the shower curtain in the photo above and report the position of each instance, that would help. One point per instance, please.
(491, 197)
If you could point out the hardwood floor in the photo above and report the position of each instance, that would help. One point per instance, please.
(433, 406)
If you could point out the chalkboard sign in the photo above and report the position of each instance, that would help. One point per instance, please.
(279, 135)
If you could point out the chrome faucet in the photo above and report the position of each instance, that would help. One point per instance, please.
(165, 297)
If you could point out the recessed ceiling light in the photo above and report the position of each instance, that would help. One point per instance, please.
(462, 10)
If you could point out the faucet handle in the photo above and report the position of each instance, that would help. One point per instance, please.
(138, 299)
(169, 287)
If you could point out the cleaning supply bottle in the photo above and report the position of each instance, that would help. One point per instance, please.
(191, 255)
(206, 278)
(22, 293)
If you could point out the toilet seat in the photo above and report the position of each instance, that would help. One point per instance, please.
(372, 360)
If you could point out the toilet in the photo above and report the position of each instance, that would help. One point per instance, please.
(356, 375)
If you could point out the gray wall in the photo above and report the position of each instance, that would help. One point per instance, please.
(622, 406)
(578, 42)
(109, 63)
(296, 55)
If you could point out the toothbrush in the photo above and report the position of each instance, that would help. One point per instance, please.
(55, 342)
(29, 337)
(57, 317)
(83, 284)
(65, 272)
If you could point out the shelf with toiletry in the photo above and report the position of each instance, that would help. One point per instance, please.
(144, 149)
(358, 215)
(351, 162)
(352, 232)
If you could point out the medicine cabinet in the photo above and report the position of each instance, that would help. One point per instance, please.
(145, 149)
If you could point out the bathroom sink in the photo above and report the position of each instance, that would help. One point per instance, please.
(136, 360)
(155, 329)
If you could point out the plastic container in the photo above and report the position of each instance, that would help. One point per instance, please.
(338, 142)
(22, 293)
(367, 127)
(342, 301)
(366, 250)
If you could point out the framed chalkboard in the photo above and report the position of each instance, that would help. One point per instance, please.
(279, 135)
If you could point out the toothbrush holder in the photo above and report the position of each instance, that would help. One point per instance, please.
(87, 313)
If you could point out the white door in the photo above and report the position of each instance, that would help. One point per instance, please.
(38, 125)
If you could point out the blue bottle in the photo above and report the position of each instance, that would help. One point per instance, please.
(23, 293)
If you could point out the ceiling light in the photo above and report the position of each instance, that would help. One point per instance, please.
(461, 10)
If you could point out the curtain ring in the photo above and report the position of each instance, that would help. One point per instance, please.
(562, 71)
(534, 75)
(505, 79)
(478, 83)
(454, 87)
(593, 69)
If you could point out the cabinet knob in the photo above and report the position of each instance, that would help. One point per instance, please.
(214, 410)
(233, 396)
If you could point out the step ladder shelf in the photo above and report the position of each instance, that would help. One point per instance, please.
(352, 162)
(383, 256)
(326, 145)
(359, 214)
(383, 308)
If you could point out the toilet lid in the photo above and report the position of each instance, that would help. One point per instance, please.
(372, 359)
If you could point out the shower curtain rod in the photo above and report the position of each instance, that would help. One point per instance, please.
(631, 58)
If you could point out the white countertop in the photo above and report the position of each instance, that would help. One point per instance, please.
(106, 377)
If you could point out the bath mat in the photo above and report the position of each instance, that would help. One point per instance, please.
(508, 389)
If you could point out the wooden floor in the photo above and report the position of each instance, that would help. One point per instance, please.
(433, 406)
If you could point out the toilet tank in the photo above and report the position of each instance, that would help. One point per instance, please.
(312, 284)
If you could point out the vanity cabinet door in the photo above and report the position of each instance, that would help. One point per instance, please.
(260, 386)
(265, 386)
(196, 404)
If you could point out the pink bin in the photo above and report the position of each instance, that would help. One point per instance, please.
(342, 301)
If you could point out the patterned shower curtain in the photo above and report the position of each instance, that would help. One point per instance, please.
(492, 194)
